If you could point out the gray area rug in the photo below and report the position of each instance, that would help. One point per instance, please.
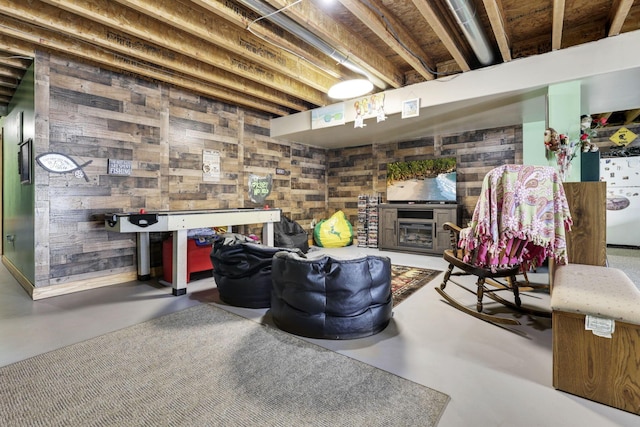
(207, 367)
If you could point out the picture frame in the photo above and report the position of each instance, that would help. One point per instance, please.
(19, 126)
(24, 161)
(411, 108)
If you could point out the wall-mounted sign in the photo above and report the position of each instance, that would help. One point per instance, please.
(259, 187)
(119, 167)
(211, 165)
(61, 163)
(623, 137)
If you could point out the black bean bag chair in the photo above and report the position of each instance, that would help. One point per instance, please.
(320, 296)
(289, 234)
(242, 272)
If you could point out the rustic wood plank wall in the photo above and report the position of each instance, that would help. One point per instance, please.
(352, 171)
(308, 183)
(362, 170)
(92, 115)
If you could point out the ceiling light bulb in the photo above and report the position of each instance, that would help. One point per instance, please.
(350, 89)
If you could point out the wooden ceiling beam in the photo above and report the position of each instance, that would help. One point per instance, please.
(10, 30)
(393, 33)
(272, 34)
(631, 116)
(6, 92)
(229, 37)
(558, 22)
(116, 41)
(20, 61)
(10, 72)
(430, 14)
(358, 50)
(95, 15)
(18, 48)
(618, 13)
(498, 25)
(7, 82)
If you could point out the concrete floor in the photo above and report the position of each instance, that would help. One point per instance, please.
(495, 376)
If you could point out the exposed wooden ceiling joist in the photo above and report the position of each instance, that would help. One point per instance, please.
(619, 13)
(270, 33)
(558, 23)
(451, 42)
(288, 75)
(500, 30)
(357, 49)
(229, 37)
(376, 16)
(8, 82)
(223, 49)
(11, 72)
(12, 32)
(631, 116)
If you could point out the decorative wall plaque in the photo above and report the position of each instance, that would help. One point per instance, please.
(119, 167)
(259, 187)
(61, 163)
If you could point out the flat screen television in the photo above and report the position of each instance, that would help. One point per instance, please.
(422, 181)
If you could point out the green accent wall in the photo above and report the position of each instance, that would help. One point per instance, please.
(563, 105)
(564, 117)
(19, 199)
(533, 151)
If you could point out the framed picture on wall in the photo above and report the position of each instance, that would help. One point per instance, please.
(411, 108)
(20, 120)
(24, 161)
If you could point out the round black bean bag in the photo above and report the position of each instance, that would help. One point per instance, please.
(242, 273)
(327, 297)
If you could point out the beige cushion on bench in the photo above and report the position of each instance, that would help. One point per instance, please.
(596, 291)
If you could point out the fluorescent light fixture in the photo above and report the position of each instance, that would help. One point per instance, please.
(350, 89)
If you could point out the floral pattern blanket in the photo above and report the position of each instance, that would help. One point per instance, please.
(519, 205)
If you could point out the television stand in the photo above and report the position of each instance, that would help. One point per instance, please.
(415, 227)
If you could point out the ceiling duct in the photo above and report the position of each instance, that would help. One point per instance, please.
(307, 36)
(465, 13)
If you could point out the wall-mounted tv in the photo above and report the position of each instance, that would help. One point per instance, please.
(422, 181)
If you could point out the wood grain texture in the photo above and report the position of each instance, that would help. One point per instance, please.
(587, 241)
(92, 114)
(362, 170)
(606, 370)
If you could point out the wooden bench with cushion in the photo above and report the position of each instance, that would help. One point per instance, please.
(602, 369)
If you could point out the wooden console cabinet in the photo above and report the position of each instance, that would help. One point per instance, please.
(415, 227)
(587, 241)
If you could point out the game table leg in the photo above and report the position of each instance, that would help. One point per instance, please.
(267, 233)
(179, 259)
(144, 258)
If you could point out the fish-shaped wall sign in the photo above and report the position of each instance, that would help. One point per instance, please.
(61, 163)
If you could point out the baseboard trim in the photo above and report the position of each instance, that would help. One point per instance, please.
(24, 282)
(84, 285)
(37, 293)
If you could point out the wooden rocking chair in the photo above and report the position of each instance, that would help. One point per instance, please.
(489, 281)
(487, 249)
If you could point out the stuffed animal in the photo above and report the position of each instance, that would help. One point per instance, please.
(551, 139)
